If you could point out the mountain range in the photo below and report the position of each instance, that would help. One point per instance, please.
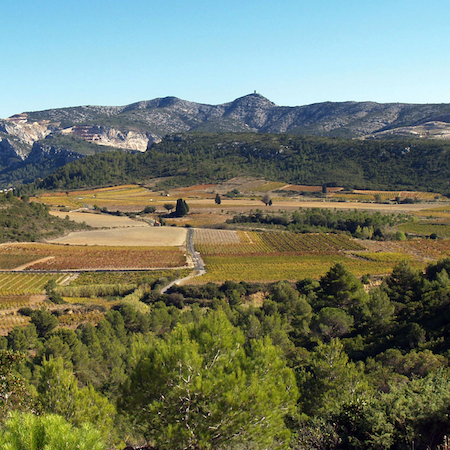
(56, 136)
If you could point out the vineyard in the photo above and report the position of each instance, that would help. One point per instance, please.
(303, 188)
(89, 278)
(443, 211)
(75, 318)
(271, 256)
(386, 257)
(125, 196)
(10, 303)
(266, 187)
(218, 242)
(96, 257)
(273, 268)
(10, 320)
(18, 284)
(429, 248)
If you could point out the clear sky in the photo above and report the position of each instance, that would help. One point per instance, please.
(58, 53)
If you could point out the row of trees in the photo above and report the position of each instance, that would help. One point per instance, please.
(360, 224)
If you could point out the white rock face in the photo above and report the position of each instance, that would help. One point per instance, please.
(26, 132)
(130, 140)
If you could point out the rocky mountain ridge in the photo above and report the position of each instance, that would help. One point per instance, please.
(138, 125)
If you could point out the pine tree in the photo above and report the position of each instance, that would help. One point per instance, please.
(202, 388)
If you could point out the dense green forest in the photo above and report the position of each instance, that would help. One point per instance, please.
(21, 220)
(323, 364)
(193, 158)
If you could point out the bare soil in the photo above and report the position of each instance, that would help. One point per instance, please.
(134, 236)
(99, 220)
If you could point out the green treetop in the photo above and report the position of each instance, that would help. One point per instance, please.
(200, 388)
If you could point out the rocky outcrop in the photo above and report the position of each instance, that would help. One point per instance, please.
(58, 155)
(128, 140)
(428, 130)
(26, 132)
(7, 150)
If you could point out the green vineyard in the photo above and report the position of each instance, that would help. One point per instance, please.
(26, 283)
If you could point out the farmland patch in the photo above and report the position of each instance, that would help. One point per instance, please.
(273, 268)
(101, 257)
(254, 243)
(136, 236)
(97, 220)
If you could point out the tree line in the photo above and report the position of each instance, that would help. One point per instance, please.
(357, 223)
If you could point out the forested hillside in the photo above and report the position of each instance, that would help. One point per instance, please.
(309, 365)
(45, 157)
(21, 220)
(193, 158)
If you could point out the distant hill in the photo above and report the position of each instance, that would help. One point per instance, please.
(70, 133)
(196, 158)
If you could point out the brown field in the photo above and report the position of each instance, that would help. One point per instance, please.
(136, 236)
(67, 257)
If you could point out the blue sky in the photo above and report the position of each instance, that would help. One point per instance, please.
(98, 52)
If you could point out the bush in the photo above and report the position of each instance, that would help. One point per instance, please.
(49, 432)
